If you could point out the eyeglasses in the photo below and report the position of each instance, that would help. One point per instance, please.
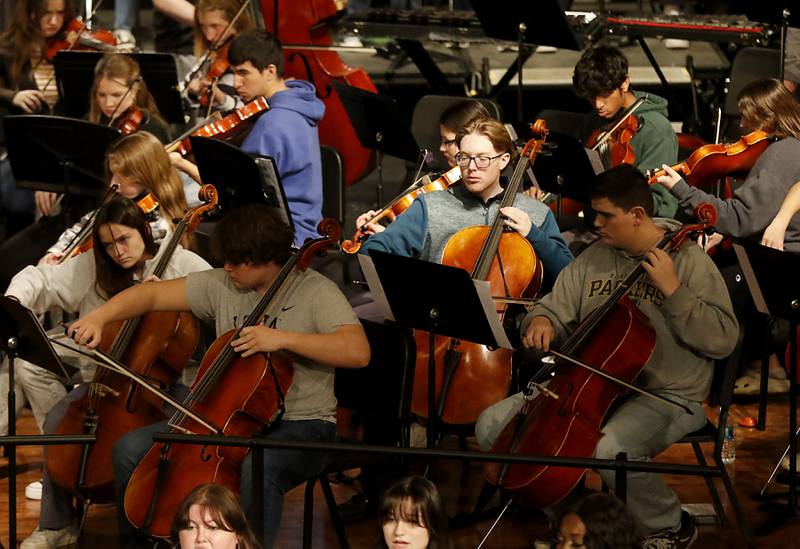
(481, 162)
(447, 142)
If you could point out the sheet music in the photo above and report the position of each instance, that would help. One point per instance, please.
(490, 310)
(375, 286)
(596, 162)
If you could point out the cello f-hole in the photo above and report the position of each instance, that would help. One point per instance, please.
(309, 75)
(204, 455)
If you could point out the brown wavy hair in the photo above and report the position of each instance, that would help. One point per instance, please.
(124, 70)
(229, 9)
(111, 278)
(224, 508)
(767, 105)
(141, 157)
(23, 36)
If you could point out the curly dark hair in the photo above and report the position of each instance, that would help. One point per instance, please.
(252, 234)
(600, 71)
(609, 524)
(259, 47)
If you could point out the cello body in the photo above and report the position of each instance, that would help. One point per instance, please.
(304, 22)
(235, 412)
(570, 425)
(164, 343)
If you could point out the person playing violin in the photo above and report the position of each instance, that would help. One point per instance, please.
(485, 149)
(24, 70)
(601, 77)
(452, 119)
(139, 164)
(287, 132)
(125, 253)
(211, 19)
(686, 301)
(311, 320)
(764, 105)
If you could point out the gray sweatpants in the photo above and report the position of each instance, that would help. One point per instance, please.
(640, 427)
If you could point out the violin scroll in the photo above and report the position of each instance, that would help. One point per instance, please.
(210, 198)
(330, 231)
(707, 217)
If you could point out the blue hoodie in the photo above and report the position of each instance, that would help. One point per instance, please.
(287, 132)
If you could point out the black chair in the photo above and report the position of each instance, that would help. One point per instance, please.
(381, 395)
(723, 391)
(426, 114)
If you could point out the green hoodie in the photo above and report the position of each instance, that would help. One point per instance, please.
(655, 144)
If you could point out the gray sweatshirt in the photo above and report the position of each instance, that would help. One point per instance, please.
(693, 326)
(757, 201)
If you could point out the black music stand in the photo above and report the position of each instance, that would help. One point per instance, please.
(379, 125)
(75, 75)
(464, 310)
(239, 177)
(771, 276)
(566, 168)
(58, 154)
(21, 336)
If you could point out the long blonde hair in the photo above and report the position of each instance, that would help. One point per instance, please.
(125, 70)
(767, 105)
(229, 9)
(142, 158)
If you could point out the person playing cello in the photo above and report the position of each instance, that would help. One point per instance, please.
(687, 304)
(764, 105)
(422, 231)
(312, 321)
(601, 77)
(125, 253)
(287, 132)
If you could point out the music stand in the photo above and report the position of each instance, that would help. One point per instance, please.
(58, 154)
(465, 311)
(239, 177)
(771, 276)
(379, 125)
(75, 76)
(566, 168)
(545, 23)
(21, 336)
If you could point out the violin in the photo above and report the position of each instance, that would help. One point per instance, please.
(601, 359)
(76, 36)
(226, 128)
(216, 69)
(478, 375)
(711, 162)
(240, 395)
(130, 122)
(82, 241)
(400, 204)
(156, 346)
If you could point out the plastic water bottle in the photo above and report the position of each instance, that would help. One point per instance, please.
(728, 446)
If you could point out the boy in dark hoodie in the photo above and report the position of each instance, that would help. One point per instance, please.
(287, 132)
(601, 77)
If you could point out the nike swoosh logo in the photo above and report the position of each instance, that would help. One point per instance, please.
(284, 309)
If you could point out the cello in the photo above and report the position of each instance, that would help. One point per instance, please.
(156, 346)
(303, 22)
(611, 345)
(480, 376)
(238, 395)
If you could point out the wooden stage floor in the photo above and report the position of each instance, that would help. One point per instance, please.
(756, 453)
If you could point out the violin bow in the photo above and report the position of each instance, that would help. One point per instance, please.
(126, 94)
(608, 133)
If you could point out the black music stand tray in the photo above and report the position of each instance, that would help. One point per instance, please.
(58, 154)
(450, 303)
(379, 125)
(240, 178)
(771, 276)
(566, 168)
(544, 20)
(21, 336)
(75, 75)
